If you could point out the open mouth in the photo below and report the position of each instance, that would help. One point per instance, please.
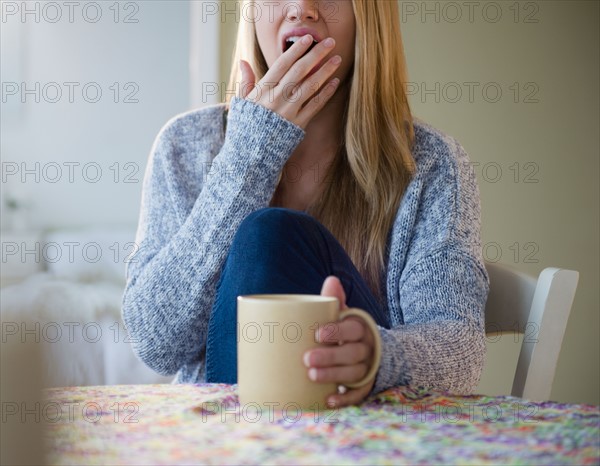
(292, 40)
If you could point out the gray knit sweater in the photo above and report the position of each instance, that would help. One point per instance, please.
(204, 177)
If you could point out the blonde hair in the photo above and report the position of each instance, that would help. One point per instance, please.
(370, 173)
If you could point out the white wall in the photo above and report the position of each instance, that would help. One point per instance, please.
(151, 53)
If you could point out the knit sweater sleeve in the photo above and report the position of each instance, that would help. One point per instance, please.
(171, 284)
(443, 286)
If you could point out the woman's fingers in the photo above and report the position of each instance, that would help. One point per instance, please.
(248, 79)
(314, 105)
(332, 286)
(347, 354)
(310, 94)
(300, 69)
(347, 330)
(351, 397)
(338, 374)
(285, 62)
(287, 75)
(260, 91)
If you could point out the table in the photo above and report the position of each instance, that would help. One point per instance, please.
(204, 423)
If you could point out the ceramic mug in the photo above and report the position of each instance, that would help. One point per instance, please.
(273, 333)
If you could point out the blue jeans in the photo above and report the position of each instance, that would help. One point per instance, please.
(277, 250)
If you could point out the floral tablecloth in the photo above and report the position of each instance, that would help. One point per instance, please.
(205, 424)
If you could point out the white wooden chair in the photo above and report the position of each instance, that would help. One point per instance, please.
(539, 309)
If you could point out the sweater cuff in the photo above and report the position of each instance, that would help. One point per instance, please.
(392, 357)
(253, 129)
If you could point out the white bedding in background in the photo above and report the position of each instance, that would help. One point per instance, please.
(90, 254)
(74, 310)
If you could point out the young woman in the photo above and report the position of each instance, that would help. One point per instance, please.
(297, 184)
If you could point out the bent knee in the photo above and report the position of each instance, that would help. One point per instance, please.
(268, 222)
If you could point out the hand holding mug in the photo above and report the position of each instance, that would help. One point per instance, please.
(277, 331)
(350, 356)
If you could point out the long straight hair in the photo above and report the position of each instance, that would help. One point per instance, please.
(370, 173)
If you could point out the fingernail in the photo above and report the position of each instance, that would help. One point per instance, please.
(331, 402)
(329, 42)
(336, 60)
(306, 359)
(307, 39)
(312, 374)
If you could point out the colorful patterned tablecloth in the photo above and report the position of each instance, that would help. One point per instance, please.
(205, 424)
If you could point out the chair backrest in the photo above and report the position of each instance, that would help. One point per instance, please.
(539, 309)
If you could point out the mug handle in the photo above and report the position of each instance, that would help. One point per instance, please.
(376, 361)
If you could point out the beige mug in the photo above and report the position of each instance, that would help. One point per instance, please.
(273, 333)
